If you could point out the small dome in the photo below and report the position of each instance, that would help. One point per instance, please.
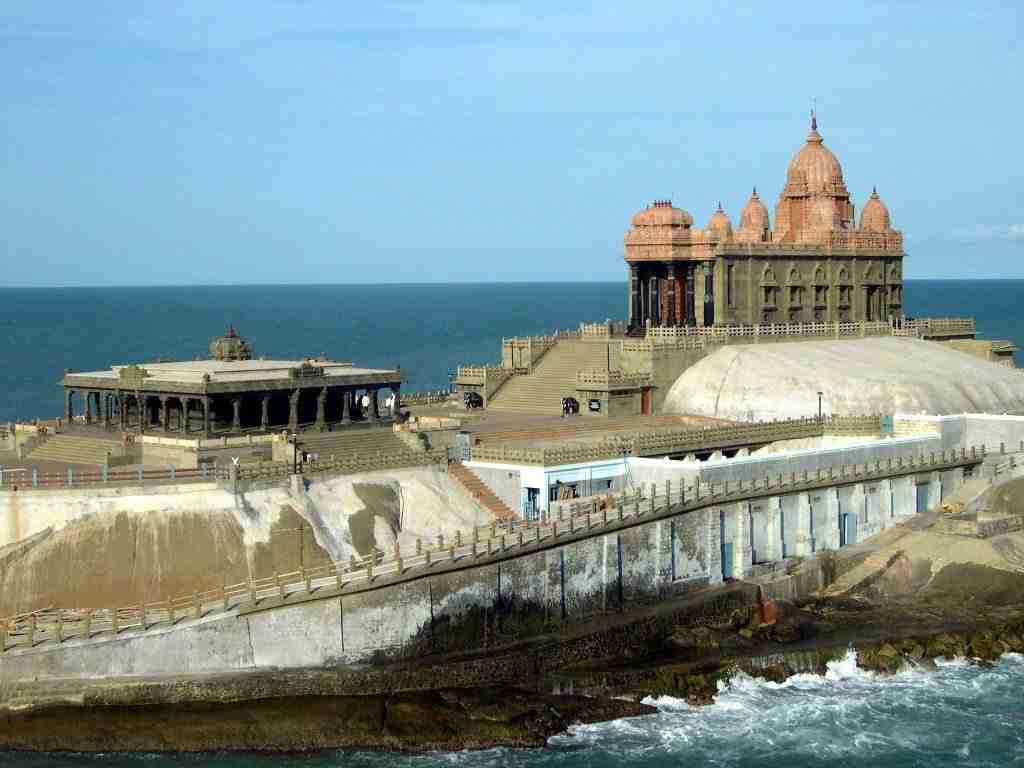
(875, 216)
(231, 347)
(720, 225)
(661, 213)
(755, 216)
(815, 165)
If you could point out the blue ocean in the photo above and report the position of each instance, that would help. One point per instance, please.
(427, 329)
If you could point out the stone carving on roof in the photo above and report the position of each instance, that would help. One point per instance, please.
(231, 347)
(132, 376)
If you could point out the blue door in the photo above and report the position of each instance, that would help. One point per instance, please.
(726, 559)
(847, 529)
(922, 498)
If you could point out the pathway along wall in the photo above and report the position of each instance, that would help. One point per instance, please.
(534, 587)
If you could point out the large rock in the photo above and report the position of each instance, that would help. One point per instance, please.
(91, 550)
(757, 382)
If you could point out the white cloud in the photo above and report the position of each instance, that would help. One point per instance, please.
(986, 232)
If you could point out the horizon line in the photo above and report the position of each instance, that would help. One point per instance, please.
(77, 286)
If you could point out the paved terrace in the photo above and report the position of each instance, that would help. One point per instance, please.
(669, 440)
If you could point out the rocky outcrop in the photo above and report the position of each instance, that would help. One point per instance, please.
(93, 550)
(444, 719)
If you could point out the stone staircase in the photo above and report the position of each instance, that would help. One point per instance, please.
(75, 449)
(554, 377)
(361, 441)
(478, 489)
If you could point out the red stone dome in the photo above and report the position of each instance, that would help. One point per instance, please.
(754, 217)
(661, 213)
(720, 225)
(814, 166)
(875, 216)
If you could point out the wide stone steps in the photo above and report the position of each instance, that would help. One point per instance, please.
(361, 441)
(554, 378)
(74, 449)
(478, 489)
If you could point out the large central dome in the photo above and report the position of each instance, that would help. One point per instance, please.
(814, 167)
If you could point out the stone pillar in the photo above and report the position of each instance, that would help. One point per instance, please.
(859, 507)
(700, 289)
(122, 417)
(69, 405)
(742, 551)
(771, 519)
(829, 537)
(140, 399)
(265, 412)
(165, 414)
(108, 407)
(709, 295)
(293, 414)
(654, 302)
(804, 545)
(183, 423)
(904, 497)
(635, 309)
(691, 314)
(884, 504)
(205, 403)
(396, 404)
(670, 319)
(934, 490)
(321, 401)
(236, 418)
(346, 406)
(87, 396)
(713, 544)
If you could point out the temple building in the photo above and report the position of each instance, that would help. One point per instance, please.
(817, 264)
(231, 393)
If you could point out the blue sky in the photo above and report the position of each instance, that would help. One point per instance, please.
(148, 143)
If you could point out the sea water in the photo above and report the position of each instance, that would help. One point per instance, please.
(961, 714)
(427, 329)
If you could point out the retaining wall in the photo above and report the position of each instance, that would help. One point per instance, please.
(632, 562)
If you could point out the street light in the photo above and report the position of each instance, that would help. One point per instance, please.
(819, 405)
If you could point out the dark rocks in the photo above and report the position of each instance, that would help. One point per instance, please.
(426, 721)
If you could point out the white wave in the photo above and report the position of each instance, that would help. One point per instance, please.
(846, 668)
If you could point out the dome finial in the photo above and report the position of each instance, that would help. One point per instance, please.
(814, 120)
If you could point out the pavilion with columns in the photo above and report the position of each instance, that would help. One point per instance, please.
(230, 394)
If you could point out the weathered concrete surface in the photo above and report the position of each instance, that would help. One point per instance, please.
(101, 547)
(877, 375)
(210, 646)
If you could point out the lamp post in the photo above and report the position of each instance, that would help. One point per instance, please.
(819, 406)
